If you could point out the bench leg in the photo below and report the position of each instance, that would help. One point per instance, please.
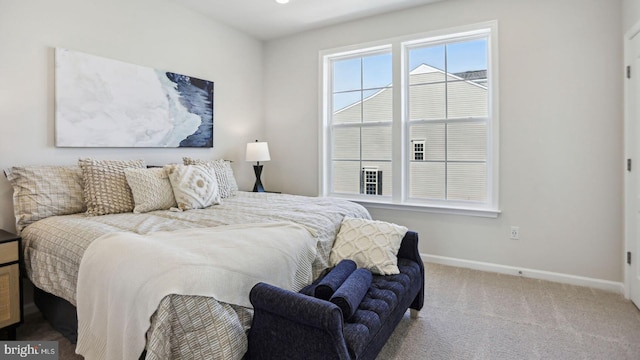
(414, 313)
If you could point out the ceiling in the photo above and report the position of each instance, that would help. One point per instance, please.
(266, 19)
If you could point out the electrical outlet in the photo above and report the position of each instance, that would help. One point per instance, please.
(515, 233)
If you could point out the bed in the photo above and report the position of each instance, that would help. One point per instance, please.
(182, 326)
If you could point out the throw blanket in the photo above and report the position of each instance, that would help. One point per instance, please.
(124, 276)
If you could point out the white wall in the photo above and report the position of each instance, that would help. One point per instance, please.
(560, 126)
(560, 110)
(154, 33)
(631, 13)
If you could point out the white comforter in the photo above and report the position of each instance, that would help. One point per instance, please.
(123, 276)
(184, 327)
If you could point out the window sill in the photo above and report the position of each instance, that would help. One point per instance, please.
(449, 210)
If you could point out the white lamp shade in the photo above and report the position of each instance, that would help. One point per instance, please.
(258, 151)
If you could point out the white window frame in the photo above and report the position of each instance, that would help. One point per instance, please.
(402, 151)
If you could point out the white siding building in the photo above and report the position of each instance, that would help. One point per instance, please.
(451, 156)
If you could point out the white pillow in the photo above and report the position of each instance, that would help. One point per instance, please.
(151, 189)
(371, 244)
(224, 174)
(194, 186)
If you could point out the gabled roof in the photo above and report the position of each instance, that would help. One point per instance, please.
(469, 77)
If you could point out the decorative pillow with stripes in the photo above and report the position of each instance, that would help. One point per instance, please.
(194, 186)
(224, 174)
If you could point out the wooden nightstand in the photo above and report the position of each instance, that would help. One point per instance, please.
(10, 283)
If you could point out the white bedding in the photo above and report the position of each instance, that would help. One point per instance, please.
(123, 276)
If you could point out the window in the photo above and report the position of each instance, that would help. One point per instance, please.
(448, 104)
(413, 122)
(361, 119)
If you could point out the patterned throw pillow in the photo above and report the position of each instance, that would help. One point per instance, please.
(151, 189)
(105, 186)
(43, 191)
(371, 244)
(194, 186)
(224, 174)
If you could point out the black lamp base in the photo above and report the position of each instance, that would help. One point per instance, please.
(258, 185)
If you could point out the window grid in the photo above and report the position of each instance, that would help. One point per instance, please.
(446, 125)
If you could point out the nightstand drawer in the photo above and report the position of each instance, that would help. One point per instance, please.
(10, 283)
(9, 295)
(9, 252)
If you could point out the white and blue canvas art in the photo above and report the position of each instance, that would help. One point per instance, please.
(109, 103)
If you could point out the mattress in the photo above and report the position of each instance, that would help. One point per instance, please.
(183, 326)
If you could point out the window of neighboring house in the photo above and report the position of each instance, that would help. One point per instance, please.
(417, 147)
(371, 181)
(429, 143)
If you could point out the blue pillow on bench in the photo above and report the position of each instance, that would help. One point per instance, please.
(332, 281)
(352, 291)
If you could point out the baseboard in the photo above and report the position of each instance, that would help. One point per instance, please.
(617, 287)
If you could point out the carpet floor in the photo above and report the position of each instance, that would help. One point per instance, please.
(478, 315)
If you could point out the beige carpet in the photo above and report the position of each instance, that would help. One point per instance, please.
(477, 315)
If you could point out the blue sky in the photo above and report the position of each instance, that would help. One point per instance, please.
(376, 70)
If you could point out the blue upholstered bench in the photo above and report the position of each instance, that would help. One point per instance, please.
(289, 325)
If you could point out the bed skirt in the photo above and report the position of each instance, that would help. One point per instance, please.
(60, 313)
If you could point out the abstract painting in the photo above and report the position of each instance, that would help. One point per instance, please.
(102, 102)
